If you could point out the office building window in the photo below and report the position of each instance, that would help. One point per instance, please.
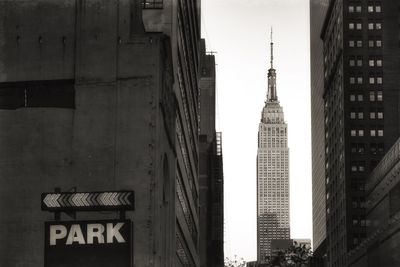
(371, 43)
(370, 26)
(372, 133)
(372, 96)
(372, 115)
(371, 80)
(379, 96)
(373, 62)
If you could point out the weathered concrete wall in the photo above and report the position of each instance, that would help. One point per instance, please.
(37, 40)
(119, 136)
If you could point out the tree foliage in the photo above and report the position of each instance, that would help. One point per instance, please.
(235, 262)
(294, 256)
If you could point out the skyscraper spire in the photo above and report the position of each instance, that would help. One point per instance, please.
(272, 96)
(272, 51)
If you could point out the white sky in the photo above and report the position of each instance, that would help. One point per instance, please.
(238, 30)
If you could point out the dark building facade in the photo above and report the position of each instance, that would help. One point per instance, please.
(361, 100)
(211, 169)
(382, 245)
(318, 10)
(99, 96)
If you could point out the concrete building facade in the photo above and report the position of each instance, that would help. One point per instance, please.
(318, 10)
(361, 92)
(211, 169)
(97, 96)
(273, 220)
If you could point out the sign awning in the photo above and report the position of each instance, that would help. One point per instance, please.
(88, 201)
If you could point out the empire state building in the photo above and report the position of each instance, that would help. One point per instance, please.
(272, 172)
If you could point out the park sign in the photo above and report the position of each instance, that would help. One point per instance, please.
(105, 243)
(88, 201)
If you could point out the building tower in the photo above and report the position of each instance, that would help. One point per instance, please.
(361, 116)
(101, 96)
(318, 10)
(211, 199)
(272, 172)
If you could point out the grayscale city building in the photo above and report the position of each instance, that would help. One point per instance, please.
(361, 57)
(99, 96)
(211, 179)
(318, 10)
(382, 197)
(272, 172)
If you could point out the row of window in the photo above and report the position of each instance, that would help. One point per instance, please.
(372, 62)
(372, 133)
(371, 80)
(371, 26)
(371, 8)
(374, 148)
(371, 43)
(373, 96)
(372, 115)
(358, 167)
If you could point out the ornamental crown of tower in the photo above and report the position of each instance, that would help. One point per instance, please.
(272, 111)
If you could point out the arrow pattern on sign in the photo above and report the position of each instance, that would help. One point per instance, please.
(95, 199)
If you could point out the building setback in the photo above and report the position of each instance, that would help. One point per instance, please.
(382, 245)
(101, 96)
(272, 173)
(361, 99)
(317, 14)
(210, 169)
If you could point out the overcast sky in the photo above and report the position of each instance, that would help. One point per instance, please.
(238, 30)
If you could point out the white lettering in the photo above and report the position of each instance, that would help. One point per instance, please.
(113, 231)
(96, 233)
(57, 232)
(95, 230)
(75, 235)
